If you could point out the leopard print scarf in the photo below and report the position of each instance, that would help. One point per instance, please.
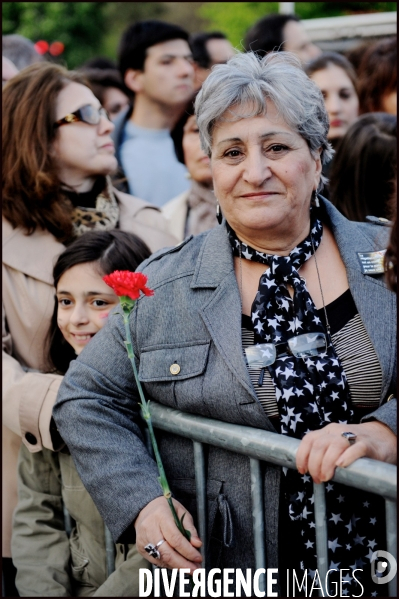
(104, 217)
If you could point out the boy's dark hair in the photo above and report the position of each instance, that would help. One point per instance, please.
(139, 37)
(111, 250)
(267, 34)
(198, 47)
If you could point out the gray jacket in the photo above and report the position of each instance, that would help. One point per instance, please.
(194, 319)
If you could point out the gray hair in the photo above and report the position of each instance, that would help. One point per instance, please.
(20, 50)
(278, 77)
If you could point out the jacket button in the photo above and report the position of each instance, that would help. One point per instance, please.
(174, 369)
(31, 438)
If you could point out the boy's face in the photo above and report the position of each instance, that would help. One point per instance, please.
(168, 74)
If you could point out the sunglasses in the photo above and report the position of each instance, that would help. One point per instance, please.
(302, 346)
(87, 114)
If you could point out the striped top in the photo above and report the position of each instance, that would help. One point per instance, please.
(354, 349)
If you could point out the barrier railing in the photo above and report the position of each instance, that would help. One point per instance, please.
(259, 445)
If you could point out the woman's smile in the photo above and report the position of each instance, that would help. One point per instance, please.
(264, 175)
(259, 194)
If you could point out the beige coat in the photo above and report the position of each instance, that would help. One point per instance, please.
(176, 212)
(28, 300)
(192, 212)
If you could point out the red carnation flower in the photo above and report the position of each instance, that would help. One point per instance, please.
(125, 282)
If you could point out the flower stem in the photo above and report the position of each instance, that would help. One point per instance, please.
(145, 410)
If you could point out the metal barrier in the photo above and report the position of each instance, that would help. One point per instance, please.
(259, 445)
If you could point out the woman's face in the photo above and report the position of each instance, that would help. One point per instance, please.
(340, 99)
(263, 175)
(197, 162)
(84, 301)
(114, 101)
(82, 151)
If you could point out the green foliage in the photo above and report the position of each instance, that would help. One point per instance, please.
(119, 15)
(94, 28)
(80, 26)
(235, 18)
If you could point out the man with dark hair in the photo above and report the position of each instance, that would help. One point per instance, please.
(278, 32)
(155, 62)
(209, 49)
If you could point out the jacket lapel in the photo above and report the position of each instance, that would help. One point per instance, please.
(222, 312)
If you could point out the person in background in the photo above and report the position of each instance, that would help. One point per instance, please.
(378, 78)
(282, 272)
(57, 157)
(47, 481)
(336, 78)
(20, 50)
(104, 63)
(193, 211)
(155, 62)
(277, 32)
(209, 49)
(364, 168)
(107, 86)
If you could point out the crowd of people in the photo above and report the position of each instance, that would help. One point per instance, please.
(247, 186)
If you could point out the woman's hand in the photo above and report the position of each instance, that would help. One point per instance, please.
(155, 522)
(321, 451)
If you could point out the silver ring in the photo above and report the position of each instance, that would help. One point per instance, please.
(350, 437)
(153, 549)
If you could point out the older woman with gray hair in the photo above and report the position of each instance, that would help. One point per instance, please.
(274, 320)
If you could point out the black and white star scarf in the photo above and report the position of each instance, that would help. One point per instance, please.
(310, 394)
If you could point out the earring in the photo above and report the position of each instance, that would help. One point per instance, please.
(219, 215)
(315, 200)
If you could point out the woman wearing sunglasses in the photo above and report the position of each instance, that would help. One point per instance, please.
(57, 158)
(281, 275)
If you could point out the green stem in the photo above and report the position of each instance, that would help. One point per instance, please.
(144, 403)
(126, 310)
